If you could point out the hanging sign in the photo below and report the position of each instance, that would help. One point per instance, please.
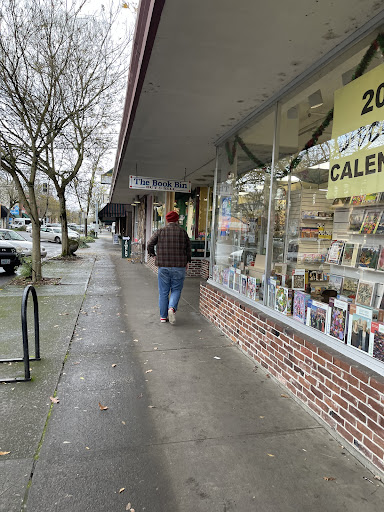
(357, 147)
(142, 183)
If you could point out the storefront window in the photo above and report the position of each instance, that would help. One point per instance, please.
(326, 218)
(241, 213)
(158, 219)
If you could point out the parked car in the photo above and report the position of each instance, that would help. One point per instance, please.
(9, 257)
(22, 245)
(53, 234)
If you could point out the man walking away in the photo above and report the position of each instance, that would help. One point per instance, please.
(173, 253)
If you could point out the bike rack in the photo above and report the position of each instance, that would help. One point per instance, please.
(26, 359)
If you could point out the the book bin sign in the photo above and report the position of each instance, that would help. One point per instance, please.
(142, 183)
(357, 147)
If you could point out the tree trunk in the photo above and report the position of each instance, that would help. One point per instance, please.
(36, 251)
(86, 226)
(64, 224)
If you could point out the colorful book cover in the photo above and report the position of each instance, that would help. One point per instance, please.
(359, 328)
(368, 257)
(335, 282)
(356, 219)
(349, 288)
(380, 261)
(236, 280)
(317, 315)
(356, 200)
(380, 226)
(251, 288)
(350, 255)
(226, 272)
(377, 340)
(371, 198)
(370, 222)
(365, 293)
(338, 319)
(335, 252)
(283, 300)
(300, 304)
(243, 286)
(232, 272)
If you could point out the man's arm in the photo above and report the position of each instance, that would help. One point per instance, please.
(151, 244)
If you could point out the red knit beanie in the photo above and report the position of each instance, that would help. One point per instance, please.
(172, 217)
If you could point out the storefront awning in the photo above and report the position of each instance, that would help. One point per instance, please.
(4, 211)
(112, 211)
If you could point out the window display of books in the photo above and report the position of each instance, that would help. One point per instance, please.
(368, 257)
(338, 319)
(359, 328)
(335, 252)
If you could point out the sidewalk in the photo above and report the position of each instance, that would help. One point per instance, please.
(191, 426)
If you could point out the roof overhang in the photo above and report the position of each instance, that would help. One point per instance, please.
(199, 68)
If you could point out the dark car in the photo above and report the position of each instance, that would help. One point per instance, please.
(9, 258)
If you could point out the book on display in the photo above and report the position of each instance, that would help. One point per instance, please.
(338, 319)
(359, 328)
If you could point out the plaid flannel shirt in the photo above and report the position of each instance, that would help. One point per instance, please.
(173, 247)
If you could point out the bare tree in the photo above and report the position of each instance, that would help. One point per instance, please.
(56, 67)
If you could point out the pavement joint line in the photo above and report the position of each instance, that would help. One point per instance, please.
(40, 444)
(238, 436)
(187, 348)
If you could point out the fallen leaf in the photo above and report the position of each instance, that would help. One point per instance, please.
(4, 453)
(122, 490)
(151, 407)
(329, 478)
(54, 400)
(128, 507)
(55, 326)
(199, 330)
(77, 362)
(284, 396)
(82, 378)
(123, 422)
(114, 365)
(270, 455)
(122, 331)
(135, 340)
(102, 407)
(216, 357)
(87, 447)
(261, 417)
(155, 348)
(149, 371)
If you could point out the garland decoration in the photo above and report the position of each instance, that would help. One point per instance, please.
(376, 45)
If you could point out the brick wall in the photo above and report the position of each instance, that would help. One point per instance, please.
(345, 395)
(197, 268)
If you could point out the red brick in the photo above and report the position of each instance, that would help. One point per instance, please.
(369, 391)
(374, 448)
(357, 393)
(325, 355)
(344, 414)
(331, 422)
(324, 389)
(354, 431)
(332, 386)
(379, 408)
(359, 374)
(340, 382)
(351, 379)
(331, 404)
(368, 411)
(379, 441)
(325, 372)
(377, 384)
(322, 405)
(334, 369)
(376, 428)
(364, 429)
(315, 408)
(298, 339)
(350, 398)
(310, 346)
(317, 392)
(340, 402)
(358, 414)
(344, 433)
(341, 364)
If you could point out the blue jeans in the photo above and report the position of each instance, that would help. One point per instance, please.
(171, 279)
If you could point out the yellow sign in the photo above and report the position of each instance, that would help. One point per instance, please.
(357, 147)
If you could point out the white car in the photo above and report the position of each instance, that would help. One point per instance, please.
(53, 234)
(22, 245)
